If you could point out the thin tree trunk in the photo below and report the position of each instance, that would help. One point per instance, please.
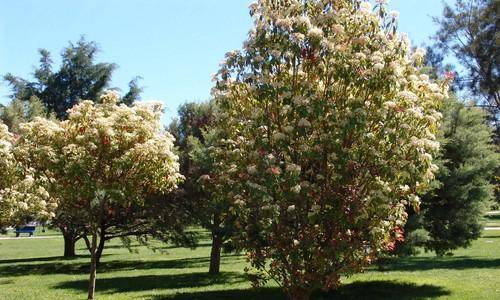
(93, 266)
(215, 254)
(216, 245)
(100, 249)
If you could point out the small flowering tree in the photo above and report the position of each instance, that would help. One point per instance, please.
(21, 200)
(326, 132)
(102, 164)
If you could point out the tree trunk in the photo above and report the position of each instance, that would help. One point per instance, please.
(216, 245)
(215, 254)
(70, 239)
(99, 250)
(93, 266)
(69, 245)
(299, 294)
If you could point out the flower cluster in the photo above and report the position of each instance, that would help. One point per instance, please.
(327, 133)
(6, 158)
(21, 199)
(26, 200)
(102, 149)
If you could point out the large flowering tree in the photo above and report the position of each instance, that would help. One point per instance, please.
(7, 170)
(326, 132)
(102, 163)
(21, 200)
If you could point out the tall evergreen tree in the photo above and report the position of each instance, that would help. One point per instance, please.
(79, 77)
(462, 191)
(469, 31)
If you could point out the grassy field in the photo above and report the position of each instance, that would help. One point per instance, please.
(492, 220)
(33, 269)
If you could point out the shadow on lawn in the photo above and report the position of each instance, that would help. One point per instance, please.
(61, 266)
(357, 290)
(159, 249)
(37, 259)
(487, 236)
(426, 263)
(151, 282)
(493, 217)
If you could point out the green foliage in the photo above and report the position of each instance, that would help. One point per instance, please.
(452, 210)
(134, 92)
(326, 130)
(470, 32)
(79, 77)
(194, 135)
(188, 131)
(19, 111)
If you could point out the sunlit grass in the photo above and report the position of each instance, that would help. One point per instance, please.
(33, 269)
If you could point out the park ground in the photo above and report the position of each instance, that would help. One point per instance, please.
(32, 268)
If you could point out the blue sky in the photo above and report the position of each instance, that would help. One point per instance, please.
(173, 45)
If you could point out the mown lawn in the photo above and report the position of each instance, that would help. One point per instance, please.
(492, 220)
(33, 269)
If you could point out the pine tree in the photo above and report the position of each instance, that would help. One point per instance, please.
(462, 191)
(469, 31)
(79, 77)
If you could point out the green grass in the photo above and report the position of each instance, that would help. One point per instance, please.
(40, 231)
(492, 220)
(33, 269)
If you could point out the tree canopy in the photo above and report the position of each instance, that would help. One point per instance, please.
(23, 196)
(79, 77)
(326, 131)
(19, 111)
(103, 162)
(462, 191)
(469, 31)
(194, 135)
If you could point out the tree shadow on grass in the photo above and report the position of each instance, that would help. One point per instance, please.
(60, 266)
(380, 289)
(487, 236)
(154, 249)
(84, 248)
(41, 259)
(492, 217)
(266, 293)
(376, 290)
(152, 282)
(430, 263)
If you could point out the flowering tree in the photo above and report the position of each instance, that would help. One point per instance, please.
(6, 165)
(326, 132)
(7, 170)
(21, 200)
(102, 164)
(54, 91)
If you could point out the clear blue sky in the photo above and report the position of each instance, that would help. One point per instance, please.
(174, 45)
